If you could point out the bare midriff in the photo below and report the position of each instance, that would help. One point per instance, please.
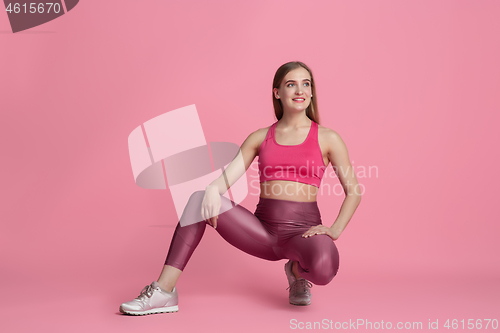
(288, 190)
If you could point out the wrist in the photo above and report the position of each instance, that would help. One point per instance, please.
(211, 187)
(335, 231)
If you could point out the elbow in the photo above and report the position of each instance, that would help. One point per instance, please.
(357, 192)
(355, 196)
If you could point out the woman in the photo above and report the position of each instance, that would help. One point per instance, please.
(293, 155)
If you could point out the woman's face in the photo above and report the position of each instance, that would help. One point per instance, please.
(295, 90)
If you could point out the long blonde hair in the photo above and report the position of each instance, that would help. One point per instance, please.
(312, 109)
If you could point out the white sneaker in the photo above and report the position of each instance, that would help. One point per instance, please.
(152, 299)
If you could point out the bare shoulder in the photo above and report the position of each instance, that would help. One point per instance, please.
(330, 139)
(258, 135)
(262, 132)
(334, 146)
(256, 138)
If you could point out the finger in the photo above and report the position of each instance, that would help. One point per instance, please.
(211, 218)
(309, 232)
(205, 215)
(211, 214)
(214, 216)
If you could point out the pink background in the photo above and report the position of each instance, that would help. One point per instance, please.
(411, 86)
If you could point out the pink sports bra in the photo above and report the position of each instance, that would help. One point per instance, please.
(301, 163)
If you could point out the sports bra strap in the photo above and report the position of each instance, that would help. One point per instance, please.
(270, 132)
(314, 129)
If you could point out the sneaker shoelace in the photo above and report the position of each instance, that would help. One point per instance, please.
(300, 285)
(147, 291)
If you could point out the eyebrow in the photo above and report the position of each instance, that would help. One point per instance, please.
(295, 81)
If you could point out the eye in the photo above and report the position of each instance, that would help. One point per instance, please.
(306, 84)
(290, 84)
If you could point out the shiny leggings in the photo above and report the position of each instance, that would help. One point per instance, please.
(273, 232)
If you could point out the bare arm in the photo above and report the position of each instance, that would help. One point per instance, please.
(239, 165)
(339, 157)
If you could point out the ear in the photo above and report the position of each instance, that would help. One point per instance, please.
(276, 95)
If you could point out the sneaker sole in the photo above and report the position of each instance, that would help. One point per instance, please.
(168, 309)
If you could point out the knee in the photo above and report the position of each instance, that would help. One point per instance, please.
(325, 274)
(191, 212)
(196, 198)
(325, 268)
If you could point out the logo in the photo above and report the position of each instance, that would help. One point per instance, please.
(170, 150)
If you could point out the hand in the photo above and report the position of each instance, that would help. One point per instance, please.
(210, 207)
(320, 230)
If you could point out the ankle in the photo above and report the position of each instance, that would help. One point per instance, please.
(166, 288)
(295, 270)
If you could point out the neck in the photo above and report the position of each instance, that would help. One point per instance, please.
(293, 119)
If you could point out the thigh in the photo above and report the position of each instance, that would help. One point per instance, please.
(242, 229)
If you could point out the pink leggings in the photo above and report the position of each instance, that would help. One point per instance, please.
(273, 232)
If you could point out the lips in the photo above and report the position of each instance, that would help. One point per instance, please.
(299, 99)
